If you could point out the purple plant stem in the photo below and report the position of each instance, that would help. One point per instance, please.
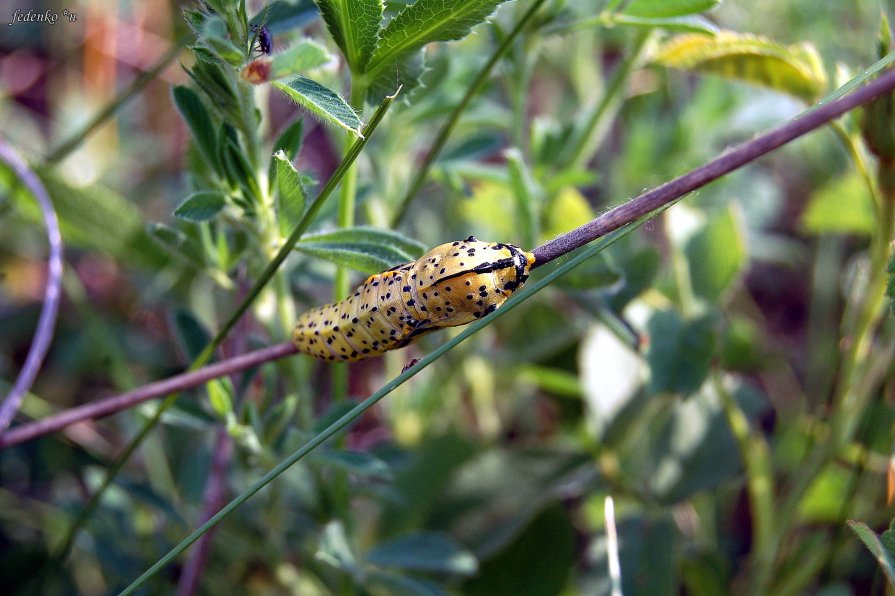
(52, 292)
(214, 498)
(215, 494)
(613, 219)
(725, 163)
(117, 403)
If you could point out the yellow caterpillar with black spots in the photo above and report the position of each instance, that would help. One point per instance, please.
(453, 284)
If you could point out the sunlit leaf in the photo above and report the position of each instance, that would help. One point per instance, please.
(321, 101)
(842, 206)
(716, 255)
(795, 69)
(680, 352)
(425, 551)
(423, 22)
(200, 206)
(668, 8)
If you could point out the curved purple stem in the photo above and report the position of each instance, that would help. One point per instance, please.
(52, 293)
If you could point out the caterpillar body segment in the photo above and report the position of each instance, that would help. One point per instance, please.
(453, 284)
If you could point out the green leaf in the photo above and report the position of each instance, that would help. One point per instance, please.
(423, 22)
(645, 542)
(334, 547)
(795, 69)
(598, 272)
(694, 449)
(526, 192)
(494, 497)
(285, 15)
(291, 195)
(551, 380)
(176, 243)
(888, 537)
(290, 140)
(424, 551)
(890, 283)
(842, 206)
(687, 24)
(214, 34)
(638, 269)
(195, 114)
(668, 8)
(239, 170)
(378, 581)
(354, 24)
(545, 550)
(884, 557)
(201, 206)
(568, 209)
(302, 56)
(323, 102)
(680, 352)
(191, 333)
(220, 396)
(364, 249)
(612, 375)
(95, 217)
(355, 462)
(219, 87)
(716, 255)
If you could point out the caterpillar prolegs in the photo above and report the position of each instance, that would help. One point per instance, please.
(453, 284)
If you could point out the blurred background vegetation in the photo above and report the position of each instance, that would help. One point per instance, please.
(723, 372)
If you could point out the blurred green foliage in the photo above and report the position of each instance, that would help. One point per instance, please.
(724, 372)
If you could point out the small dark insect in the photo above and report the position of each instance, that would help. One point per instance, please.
(409, 364)
(265, 39)
(453, 284)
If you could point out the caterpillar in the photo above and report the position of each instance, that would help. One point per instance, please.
(453, 284)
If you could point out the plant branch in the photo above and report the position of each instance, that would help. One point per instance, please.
(632, 210)
(52, 293)
(724, 164)
(125, 401)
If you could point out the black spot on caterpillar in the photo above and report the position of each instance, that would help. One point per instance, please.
(395, 307)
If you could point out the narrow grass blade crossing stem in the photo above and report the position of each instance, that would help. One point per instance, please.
(362, 407)
(669, 192)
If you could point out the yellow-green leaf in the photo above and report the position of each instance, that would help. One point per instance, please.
(569, 209)
(843, 206)
(795, 69)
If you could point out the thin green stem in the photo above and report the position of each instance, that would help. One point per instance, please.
(345, 219)
(588, 137)
(756, 457)
(66, 147)
(448, 127)
(853, 393)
